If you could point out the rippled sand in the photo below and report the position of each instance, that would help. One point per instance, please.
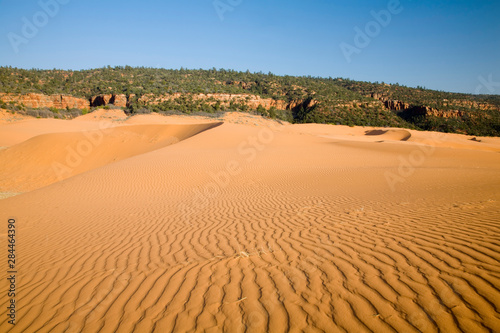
(173, 224)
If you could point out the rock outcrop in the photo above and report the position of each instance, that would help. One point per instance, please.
(46, 101)
(391, 104)
(103, 100)
(252, 101)
(433, 112)
(121, 100)
(428, 111)
(471, 104)
(100, 100)
(395, 105)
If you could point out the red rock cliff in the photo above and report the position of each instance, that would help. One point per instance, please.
(103, 100)
(120, 100)
(41, 101)
(252, 101)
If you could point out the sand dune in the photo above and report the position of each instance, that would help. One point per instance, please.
(103, 114)
(246, 228)
(368, 134)
(14, 133)
(48, 158)
(395, 135)
(7, 117)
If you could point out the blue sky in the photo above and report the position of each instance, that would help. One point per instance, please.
(444, 45)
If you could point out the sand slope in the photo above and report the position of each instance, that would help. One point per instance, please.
(49, 158)
(245, 228)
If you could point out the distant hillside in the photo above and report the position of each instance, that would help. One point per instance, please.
(295, 99)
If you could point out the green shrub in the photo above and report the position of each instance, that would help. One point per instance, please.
(272, 112)
(262, 111)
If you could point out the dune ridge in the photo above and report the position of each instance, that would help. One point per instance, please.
(251, 228)
(48, 158)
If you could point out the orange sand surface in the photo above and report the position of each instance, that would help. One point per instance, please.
(242, 224)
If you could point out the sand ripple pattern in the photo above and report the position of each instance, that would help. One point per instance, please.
(295, 248)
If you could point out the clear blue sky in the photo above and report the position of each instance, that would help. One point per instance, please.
(444, 45)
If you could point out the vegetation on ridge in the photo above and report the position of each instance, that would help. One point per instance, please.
(309, 99)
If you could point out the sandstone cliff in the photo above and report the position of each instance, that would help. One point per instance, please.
(252, 101)
(391, 104)
(103, 100)
(395, 105)
(428, 111)
(33, 100)
(48, 101)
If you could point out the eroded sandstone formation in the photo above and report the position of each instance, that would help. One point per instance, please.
(33, 100)
(103, 100)
(395, 105)
(252, 101)
(46, 101)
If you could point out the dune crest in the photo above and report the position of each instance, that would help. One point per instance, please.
(395, 135)
(48, 158)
